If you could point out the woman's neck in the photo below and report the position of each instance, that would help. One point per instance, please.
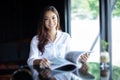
(53, 35)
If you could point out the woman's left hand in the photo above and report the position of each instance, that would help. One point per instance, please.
(83, 58)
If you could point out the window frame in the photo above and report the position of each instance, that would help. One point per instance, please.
(105, 24)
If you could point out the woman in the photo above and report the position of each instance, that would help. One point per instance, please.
(49, 42)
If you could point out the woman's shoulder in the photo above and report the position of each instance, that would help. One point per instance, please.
(34, 39)
(64, 33)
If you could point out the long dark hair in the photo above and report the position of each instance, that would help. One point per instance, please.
(43, 36)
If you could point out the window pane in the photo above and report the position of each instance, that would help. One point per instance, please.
(116, 39)
(85, 29)
(85, 26)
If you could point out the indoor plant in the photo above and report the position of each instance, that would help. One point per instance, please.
(104, 52)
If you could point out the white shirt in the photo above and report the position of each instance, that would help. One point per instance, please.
(58, 48)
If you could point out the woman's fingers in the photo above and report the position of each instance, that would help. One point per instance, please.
(84, 58)
(45, 63)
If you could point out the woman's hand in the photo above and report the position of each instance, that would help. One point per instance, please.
(84, 67)
(41, 63)
(83, 58)
(44, 63)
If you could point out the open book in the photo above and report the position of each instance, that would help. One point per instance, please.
(69, 63)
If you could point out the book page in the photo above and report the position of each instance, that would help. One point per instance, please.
(60, 64)
(74, 56)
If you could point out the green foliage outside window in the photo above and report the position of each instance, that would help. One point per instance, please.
(116, 9)
(90, 8)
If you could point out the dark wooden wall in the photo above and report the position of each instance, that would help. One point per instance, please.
(19, 18)
(18, 24)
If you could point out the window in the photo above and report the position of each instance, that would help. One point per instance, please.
(85, 31)
(116, 39)
(85, 26)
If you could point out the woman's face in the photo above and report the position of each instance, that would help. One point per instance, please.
(50, 20)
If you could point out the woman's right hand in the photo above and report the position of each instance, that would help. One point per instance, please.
(44, 63)
(41, 63)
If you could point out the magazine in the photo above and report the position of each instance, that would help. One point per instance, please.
(69, 63)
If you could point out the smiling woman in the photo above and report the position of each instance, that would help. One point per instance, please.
(44, 45)
(18, 24)
(51, 42)
(50, 20)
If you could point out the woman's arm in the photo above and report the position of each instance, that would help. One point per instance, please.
(35, 57)
(83, 60)
(34, 52)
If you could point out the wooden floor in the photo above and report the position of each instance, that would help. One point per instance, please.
(5, 77)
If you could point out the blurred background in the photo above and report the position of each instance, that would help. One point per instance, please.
(87, 21)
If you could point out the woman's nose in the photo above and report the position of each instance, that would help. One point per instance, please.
(50, 21)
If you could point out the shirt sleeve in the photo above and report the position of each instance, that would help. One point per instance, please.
(34, 52)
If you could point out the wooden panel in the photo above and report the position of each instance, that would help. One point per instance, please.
(5, 77)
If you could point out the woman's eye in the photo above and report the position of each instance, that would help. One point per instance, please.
(45, 19)
(53, 17)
